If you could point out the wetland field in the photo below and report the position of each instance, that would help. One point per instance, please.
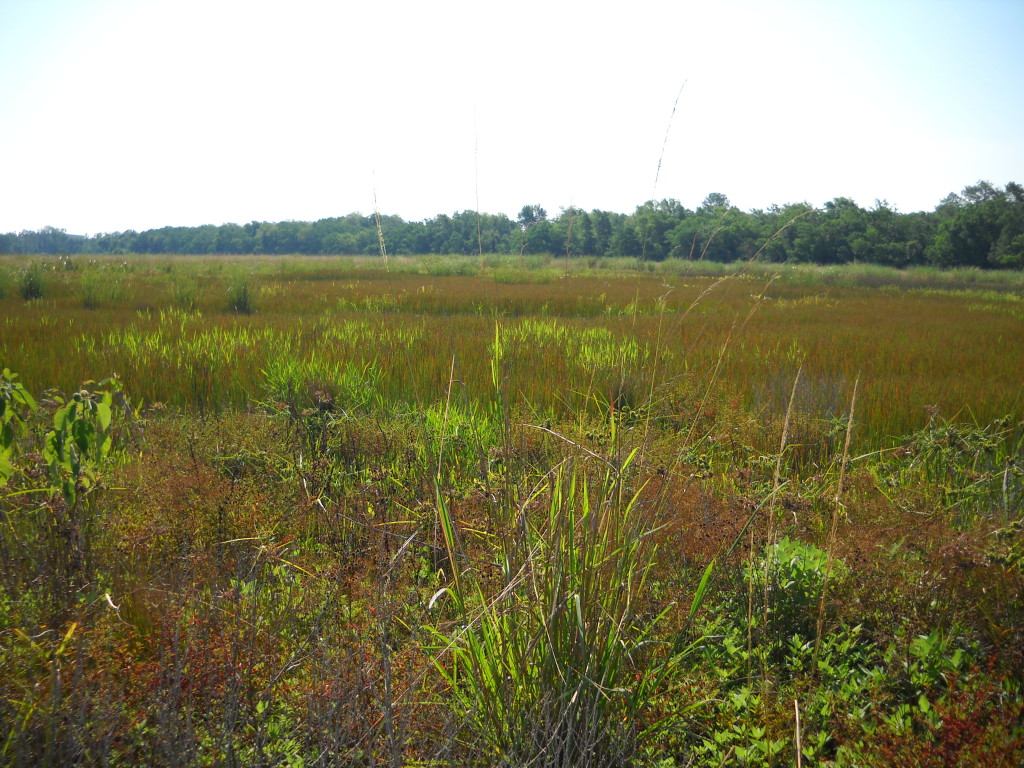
(447, 511)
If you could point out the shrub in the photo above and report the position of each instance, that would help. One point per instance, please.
(790, 578)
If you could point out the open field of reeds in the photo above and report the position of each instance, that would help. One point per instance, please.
(573, 335)
(509, 511)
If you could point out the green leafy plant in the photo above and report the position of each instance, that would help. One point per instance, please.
(80, 440)
(973, 468)
(15, 403)
(789, 579)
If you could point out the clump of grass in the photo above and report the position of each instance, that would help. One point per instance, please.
(241, 299)
(91, 284)
(556, 669)
(100, 285)
(184, 292)
(31, 284)
(448, 266)
(321, 385)
(972, 471)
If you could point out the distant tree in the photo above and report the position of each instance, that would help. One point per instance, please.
(716, 231)
(9, 243)
(982, 226)
(840, 225)
(980, 233)
(1008, 250)
(588, 242)
(779, 229)
(567, 228)
(48, 240)
(463, 234)
(602, 231)
(530, 215)
(982, 192)
(1015, 192)
(541, 237)
(950, 204)
(652, 222)
(495, 233)
(626, 240)
(715, 200)
(200, 239)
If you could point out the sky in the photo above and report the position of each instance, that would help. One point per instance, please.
(137, 114)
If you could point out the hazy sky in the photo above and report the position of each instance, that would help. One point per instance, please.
(134, 114)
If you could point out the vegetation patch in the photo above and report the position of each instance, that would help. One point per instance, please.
(509, 510)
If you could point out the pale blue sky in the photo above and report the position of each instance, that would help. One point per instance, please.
(133, 114)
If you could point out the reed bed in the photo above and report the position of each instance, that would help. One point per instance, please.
(955, 349)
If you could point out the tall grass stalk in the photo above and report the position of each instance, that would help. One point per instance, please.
(772, 522)
(830, 545)
(380, 233)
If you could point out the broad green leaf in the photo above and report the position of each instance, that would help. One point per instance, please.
(68, 489)
(84, 432)
(103, 413)
(103, 448)
(6, 469)
(75, 461)
(23, 395)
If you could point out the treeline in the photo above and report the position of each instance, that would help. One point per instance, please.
(981, 227)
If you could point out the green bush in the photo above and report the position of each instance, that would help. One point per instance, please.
(789, 579)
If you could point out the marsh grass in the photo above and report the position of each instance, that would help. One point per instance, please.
(184, 292)
(593, 518)
(240, 297)
(103, 285)
(901, 340)
(31, 282)
(554, 667)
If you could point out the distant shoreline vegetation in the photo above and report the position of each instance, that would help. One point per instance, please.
(981, 227)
